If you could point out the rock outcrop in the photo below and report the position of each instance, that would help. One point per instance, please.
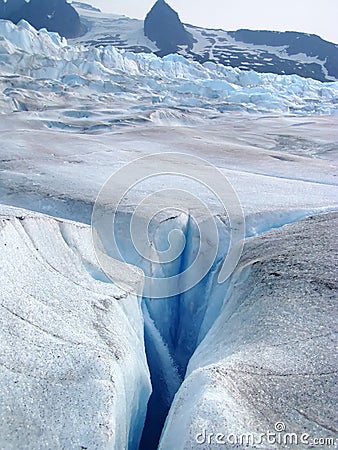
(54, 15)
(163, 26)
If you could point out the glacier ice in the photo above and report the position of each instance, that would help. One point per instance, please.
(269, 357)
(71, 116)
(170, 81)
(73, 367)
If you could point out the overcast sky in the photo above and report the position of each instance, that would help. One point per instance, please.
(310, 16)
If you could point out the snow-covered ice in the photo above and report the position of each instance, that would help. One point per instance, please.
(73, 367)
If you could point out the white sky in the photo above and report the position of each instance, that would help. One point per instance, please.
(310, 16)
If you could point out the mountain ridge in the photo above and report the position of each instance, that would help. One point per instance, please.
(238, 49)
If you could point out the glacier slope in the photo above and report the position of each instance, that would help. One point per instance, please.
(73, 367)
(274, 187)
(47, 167)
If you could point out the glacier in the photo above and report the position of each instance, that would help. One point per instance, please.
(70, 117)
(170, 81)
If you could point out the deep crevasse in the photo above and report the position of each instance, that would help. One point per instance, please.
(174, 327)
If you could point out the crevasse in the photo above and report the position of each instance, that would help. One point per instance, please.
(174, 327)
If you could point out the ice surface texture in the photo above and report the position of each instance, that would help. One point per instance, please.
(269, 357)
(73, 371)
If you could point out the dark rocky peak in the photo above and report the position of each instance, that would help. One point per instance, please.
(163, 26)
(54, 15)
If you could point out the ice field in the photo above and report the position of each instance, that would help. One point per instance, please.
(91, 356)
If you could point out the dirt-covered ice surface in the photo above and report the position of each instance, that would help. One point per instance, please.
(268, 363)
